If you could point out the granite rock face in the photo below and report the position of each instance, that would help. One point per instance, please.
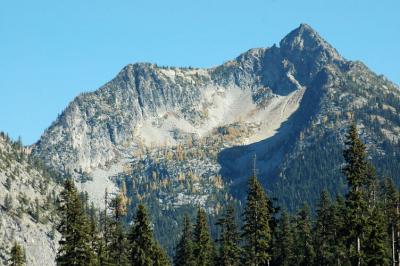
(175, 138)
(27, 212)
(98, 127)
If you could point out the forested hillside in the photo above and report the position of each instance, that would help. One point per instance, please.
(361, 228)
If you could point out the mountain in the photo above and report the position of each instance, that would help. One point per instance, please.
(180, 137)
(27, 205)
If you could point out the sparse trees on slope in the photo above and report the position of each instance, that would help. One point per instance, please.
(256, 228)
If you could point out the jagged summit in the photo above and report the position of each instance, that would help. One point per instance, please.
(186, 136)
(148, 104)
(269, 91)
(303, 37)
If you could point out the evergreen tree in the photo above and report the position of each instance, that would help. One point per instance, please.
(304, 249)
(375, 245)
(118, 243)
(340, 251)
(283, 242)
(97, 242)
(356, 172)
(144, 250)
(229, 249)
(324, 232)
(184, 249)
(8, 203)
(75, 243)
(256, 229)
(203, 245)
(160, 258)
(36, 212)
(106, 234)
(391, 206)
(17, 255)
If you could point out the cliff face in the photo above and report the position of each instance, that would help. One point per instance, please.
(275, 102)
(27, 197)
(143, 104)
(179, 137)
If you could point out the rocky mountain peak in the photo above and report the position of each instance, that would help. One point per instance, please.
(304, 38)
(309, 52)
(187, 136)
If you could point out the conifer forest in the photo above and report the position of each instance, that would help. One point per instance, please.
(361, 228)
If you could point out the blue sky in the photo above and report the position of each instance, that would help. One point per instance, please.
(50, 51)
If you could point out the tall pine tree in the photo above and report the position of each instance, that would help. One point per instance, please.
(356, 172)
(141, 239)
(118, 243)
(160, 257)
(144, 251)
(339, 224)
(203, 245)
(325, 232)
(304, 249)
(229, 249)
(184, 249)
(375, 250)
(391, 207)
(256, 229)
(75, 243)
(283, 242)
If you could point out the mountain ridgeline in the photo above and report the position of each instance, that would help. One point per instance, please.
(174, 138)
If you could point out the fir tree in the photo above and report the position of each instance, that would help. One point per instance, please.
(106, 234)
(375, 245)
(8, 203)
(118, 243)
(256, 228)
(229, 250)
(304, 249)
(340, 251)
(283, 242)
(356, 172)
(17, 255)
(36, 212)
(184, 249)
(102, 253)
(391, 206)
(141, 239)
(324, 232)
(160, 258)
(203, 246)
(75, 244)
(97, 243)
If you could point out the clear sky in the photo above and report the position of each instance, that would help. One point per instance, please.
(52, 50)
